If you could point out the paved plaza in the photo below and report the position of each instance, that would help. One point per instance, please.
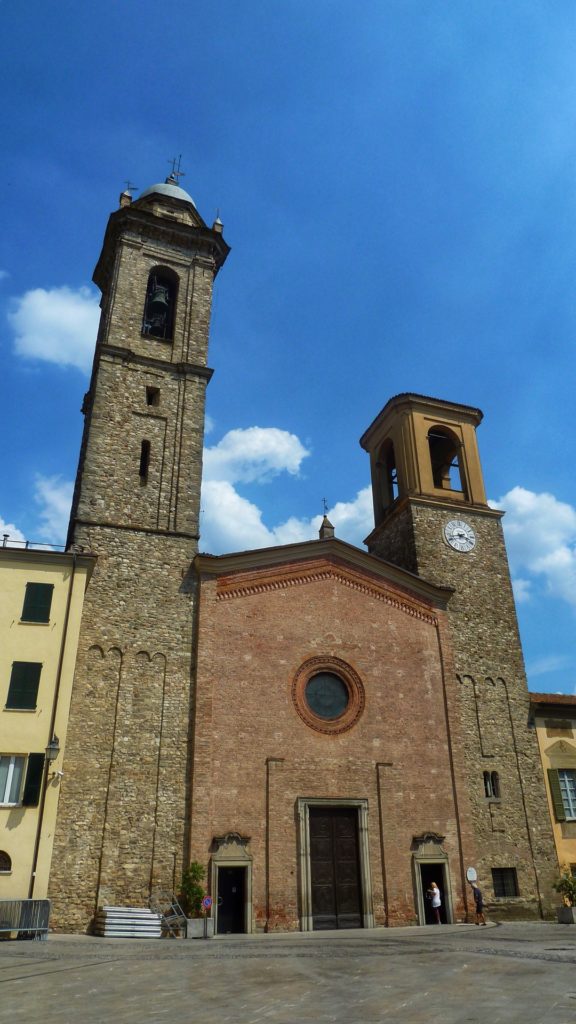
(524, 973)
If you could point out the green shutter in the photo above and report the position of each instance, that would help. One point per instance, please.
(556, 793)
(37, 602)
(33, 783)
(24, 682)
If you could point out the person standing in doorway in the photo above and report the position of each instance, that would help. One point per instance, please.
(479, 903)
(433, 895)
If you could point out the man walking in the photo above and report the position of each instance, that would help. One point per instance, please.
(479, 903)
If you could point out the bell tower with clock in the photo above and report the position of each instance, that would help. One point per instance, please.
(432, 518)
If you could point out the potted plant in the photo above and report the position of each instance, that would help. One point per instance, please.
(190, 897)
(566, 885)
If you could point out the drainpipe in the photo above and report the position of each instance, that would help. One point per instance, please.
(51, 731)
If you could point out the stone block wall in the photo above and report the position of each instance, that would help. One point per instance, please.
(513, 830)
(122, 828)
(124, 804)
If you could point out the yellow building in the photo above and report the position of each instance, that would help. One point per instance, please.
(555, 719)
(41, 599)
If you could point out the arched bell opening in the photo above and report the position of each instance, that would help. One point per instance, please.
(447, 470)
(387, 475)
(160, 305)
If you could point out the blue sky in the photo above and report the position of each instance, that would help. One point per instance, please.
(397, 180)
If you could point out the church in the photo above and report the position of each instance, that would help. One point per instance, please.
(325, 729)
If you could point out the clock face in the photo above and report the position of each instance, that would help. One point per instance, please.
(459, 535)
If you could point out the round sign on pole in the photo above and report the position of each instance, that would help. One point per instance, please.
(471, 874)
(207, 902)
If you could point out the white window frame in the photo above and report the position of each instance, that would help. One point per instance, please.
(5, 795)
(567, 780)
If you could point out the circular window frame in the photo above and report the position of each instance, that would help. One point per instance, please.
(350, 678)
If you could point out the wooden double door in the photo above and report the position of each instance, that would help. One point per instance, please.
(335, 868)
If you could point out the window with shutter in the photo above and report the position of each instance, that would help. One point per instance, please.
(567, 782)
(24, 683)
(11, 772)
(33, 782)
(556, 794)
(37, 602)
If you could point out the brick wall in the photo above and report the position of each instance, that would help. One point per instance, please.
(251, 646)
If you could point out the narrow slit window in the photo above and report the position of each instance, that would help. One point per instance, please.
(492, 785)
(144, 460)
(152, 396)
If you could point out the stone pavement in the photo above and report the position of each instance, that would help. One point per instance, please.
(456, 974)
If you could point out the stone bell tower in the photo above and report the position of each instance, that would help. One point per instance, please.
(124, 802)
(432, 518)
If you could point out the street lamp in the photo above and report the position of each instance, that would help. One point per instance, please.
(53, 749)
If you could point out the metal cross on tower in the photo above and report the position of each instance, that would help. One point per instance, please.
(176, 173)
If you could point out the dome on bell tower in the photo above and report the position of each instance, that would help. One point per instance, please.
(170, 188)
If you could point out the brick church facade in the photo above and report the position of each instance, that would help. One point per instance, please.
(325, 729)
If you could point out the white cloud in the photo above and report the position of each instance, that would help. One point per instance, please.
(549, 663)
(354, 520)
(14, 534)
(57, 325)
(54, 498)
(522, 590)
(231, 522)
(256, 454)
(541, 541)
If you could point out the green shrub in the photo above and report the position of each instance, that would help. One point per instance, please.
(191, 891)
(567, 886)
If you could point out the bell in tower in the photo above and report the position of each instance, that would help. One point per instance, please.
(157, 313)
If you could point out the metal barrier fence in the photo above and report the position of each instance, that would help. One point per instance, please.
(26, 919)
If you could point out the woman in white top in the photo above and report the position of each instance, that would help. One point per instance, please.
(433, 895)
